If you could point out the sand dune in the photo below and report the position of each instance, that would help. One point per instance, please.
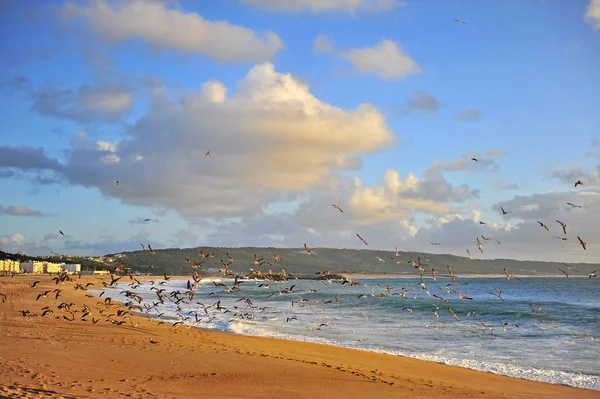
(53, 357)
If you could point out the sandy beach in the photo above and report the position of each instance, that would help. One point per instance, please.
(51, 356)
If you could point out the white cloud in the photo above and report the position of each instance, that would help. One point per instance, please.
(485, 162)
(323, 44)
(19, 210)
(529, 207)
(592, 13)
(326, 5)
(421, 101)
(89, 103)
(469, 115)
(385, 60)
(16, 242)
(270, 141)
(173, 29)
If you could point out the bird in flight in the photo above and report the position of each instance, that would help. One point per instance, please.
(434, 244)
(593, 274)
(543, 225)
(362, 239)
(565, 273)
(461, 23)
(583, 244)
(479, 245)
(306, 249)
(337, 207)
(564, 226)
(61, 233)
(573, 205)
(475, 159)
(504, 212)
(118, 182)
(578, 183)
(207, 154)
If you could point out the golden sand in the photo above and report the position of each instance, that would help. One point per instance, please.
(51, 357)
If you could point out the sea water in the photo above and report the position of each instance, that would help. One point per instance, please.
(558, 341)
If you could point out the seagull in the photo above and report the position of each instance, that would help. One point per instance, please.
(460, 22)
(362, 239)
(61, 233)
(562, 238)
(583, 244)
(578, 183)
(499, 294)
(474, 159)
(207, 154)
(337, 207)
(504, 212)
(573, 205)
(593, 274)
(434, 244)
(543, 225)
(564, 226)
(117, 182)
(479, 245)
(565, 273)
(306, 249)
(379, 259)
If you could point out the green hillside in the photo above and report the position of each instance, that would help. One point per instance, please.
(297, 262)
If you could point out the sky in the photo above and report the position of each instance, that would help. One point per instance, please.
(378, 106)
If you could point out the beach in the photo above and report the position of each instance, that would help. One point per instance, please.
(54, 357)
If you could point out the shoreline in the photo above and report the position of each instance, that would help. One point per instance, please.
(79, 358)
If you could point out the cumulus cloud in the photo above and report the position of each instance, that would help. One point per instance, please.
(88, 103)
(16, 242)
(19, 210)
(485, 162)
(592, 13)
(421, 101)
(323, 44)
(172, 29)
(15, 161)
(570, 175)
(469, 115)
(270, 140)
(385, 60)
(316, 6)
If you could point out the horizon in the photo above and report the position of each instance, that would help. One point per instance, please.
(243, 133)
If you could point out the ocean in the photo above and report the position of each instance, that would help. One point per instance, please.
(543, 329)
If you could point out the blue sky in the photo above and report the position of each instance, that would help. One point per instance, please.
(527, 72)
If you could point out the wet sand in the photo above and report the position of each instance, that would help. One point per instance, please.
(52, 357)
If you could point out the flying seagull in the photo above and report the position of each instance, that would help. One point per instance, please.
(564, 226)
(460, 22)
(475, 159)
(583, 244)
(573, 205)
(543, 225)
(504, 212)
(337, 207)
(578, 183)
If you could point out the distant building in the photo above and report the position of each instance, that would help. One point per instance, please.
(71, 267)
(8, 266)
(33, 267)
(39, 267)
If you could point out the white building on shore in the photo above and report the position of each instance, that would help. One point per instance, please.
(8, 266)
(39, 267)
